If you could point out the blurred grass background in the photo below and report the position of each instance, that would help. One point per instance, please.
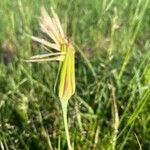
(112, 40)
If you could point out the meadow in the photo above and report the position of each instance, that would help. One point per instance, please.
(110, 109)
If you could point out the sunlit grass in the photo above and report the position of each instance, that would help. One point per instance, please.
(112, 68)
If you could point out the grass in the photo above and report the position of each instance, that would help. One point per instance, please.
(110, 109)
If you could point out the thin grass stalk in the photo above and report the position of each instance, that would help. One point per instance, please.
(1, 145)
(115, 118)
(64, 105)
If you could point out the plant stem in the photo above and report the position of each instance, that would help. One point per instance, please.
(64, 109)
(115, 117)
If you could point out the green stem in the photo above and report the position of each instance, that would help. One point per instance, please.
(64, 109)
